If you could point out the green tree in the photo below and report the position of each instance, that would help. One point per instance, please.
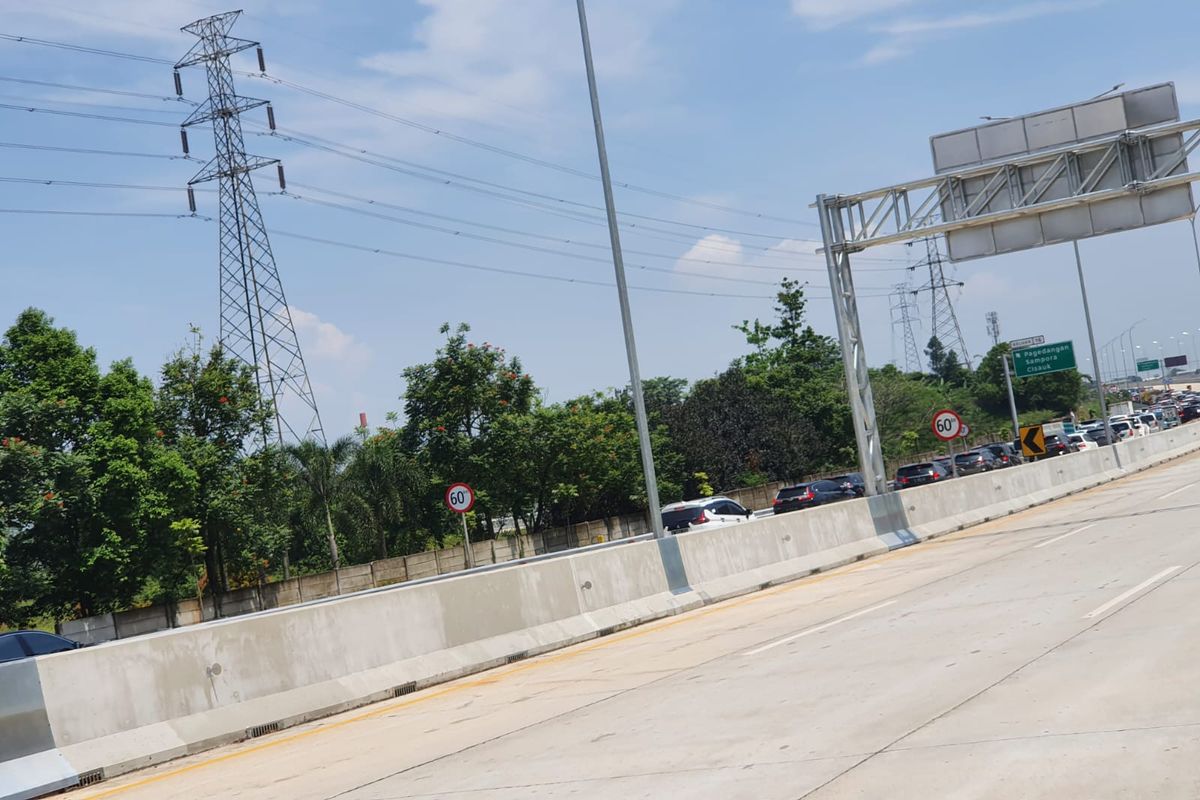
(210, 413)
(87, 493)
(451, 405)
(319, 469)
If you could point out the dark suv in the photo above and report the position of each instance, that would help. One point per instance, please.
(1059, 444)
(975, 461)
(852, 481)
(26, 644)
(807, 495)
(920, 474)
(1005, 454)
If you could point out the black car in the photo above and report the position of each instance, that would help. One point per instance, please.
(1097, 435)
(807, 495)
(1059, 444)
(1005, 454)
(975, 461)
(853, 481)
(1189, 412)
(920, 474)
(15, 645)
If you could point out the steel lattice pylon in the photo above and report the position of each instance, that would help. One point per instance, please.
(256, 323)
(943, 321)
(904, 312)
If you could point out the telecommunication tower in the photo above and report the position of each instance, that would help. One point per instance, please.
(993, 327)
(256, 323)
(943, 321)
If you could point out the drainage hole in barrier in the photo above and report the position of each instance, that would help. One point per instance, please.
(403, 689)
(516, 657)
(262, 730)
(91, 777)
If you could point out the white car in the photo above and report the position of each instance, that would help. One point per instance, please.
(1083, 443)
(704, 514)
(1121, 429)
(1150, 421)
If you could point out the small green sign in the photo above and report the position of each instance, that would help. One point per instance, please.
(1043, 359)
(1148, 365)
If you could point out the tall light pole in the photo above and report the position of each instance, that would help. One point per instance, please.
(635, 377)
(1133, 348)
(1087, 315)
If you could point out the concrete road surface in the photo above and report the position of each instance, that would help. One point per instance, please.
(1051, 654)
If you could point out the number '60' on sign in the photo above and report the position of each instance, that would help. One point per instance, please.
(460, 498)
(947, 425)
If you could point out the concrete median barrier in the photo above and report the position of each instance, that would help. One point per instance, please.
(93, 713)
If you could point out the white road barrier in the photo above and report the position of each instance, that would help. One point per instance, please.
(101, 711)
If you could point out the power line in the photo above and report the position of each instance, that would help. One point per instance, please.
(77, 88)
(453, 178)
(82, 49)
(80, 114)
(85, 104)
(422, 127)
(513, 153)
(504, 271)
(140, 214)
(94, 152)
(507, 243)
(539, 236)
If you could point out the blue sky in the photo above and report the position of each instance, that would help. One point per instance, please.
(755, 106)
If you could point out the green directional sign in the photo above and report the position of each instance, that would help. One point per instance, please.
(1149, 365)
(1044, 359)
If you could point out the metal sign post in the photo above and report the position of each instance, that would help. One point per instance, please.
(948, 425)
(460, 498)
(1012, 401)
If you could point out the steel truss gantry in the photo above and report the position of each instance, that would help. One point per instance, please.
(1134, 163)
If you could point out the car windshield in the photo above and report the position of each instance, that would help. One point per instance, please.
(967, 457)
(1119, 426)
(914, 469)
(793, 491)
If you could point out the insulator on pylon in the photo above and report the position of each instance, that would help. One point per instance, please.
(191, 200)
(282, 182)
(178, 84)
(262, 63)
(184, 141)
(270, 117)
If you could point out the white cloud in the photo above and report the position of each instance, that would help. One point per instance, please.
(324, 340)
(825, 14)
(464, 62)
(905, 36)
(713, 255)
(982, 19)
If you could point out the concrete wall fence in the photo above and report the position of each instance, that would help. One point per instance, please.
(93, 713)
(385, 572)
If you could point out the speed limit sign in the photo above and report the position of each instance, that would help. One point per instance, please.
(947, 425)
(460, 498)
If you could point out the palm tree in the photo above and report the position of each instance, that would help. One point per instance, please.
(319, 468)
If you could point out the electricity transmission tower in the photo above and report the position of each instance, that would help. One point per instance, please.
(256, 323)
(904, 313)
(943, 321)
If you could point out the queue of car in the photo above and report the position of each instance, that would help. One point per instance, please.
(712, 512)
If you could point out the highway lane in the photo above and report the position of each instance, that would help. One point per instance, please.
(1052, 653)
